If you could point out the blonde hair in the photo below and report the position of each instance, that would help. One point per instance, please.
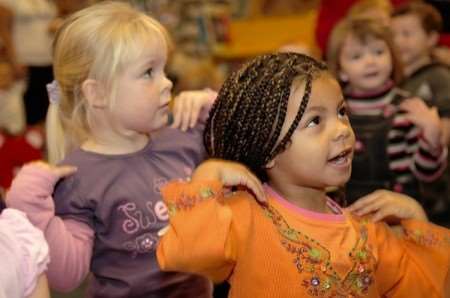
(98, 43)
(362, 29)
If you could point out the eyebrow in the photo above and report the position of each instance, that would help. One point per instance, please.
(315, 109)
(321, 108)
(147, 62)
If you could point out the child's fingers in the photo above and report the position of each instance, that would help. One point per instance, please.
(186, 114)
(64, 171)
(368, 209)
(243, 177)
(176, 112)
(374, 204)
(381, 214)
(194, 114)
(256, 187)
(40, 164)
(363, 201)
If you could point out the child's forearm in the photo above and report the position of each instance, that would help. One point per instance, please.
(71, 244)
(70, 241)
(434, 161)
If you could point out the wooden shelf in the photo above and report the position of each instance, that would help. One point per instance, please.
(261, 35)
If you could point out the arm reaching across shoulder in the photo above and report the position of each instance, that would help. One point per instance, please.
(203, 236)
(392, 207)
(230, 174)
(189, 107)
(70, 241)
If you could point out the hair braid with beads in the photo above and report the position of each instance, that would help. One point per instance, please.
(245, 122)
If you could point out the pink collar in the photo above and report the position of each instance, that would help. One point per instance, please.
(338, 215)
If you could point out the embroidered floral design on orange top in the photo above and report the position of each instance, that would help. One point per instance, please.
(313, 262)
(427, 238)
(189, 195)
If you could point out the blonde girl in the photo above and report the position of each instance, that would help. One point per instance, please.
(108, 117)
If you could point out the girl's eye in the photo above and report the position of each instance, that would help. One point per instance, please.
(342, 112)
(313, 122)
(355, 56)
(148, 73)
(379, 52)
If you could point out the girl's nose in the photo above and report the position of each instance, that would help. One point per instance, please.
(370, 58)
(167, 83)
(343, 131)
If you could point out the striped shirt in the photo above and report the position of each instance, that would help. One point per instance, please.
(410, 156)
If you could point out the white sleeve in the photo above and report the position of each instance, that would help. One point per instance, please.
(24, 251)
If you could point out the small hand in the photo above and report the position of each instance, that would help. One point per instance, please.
(190, 106)
(230, 174)
(425, 118)
(388, 206)
(57, 171)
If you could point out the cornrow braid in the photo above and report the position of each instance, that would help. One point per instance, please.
(245, 122)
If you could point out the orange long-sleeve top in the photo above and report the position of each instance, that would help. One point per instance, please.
(284, 251)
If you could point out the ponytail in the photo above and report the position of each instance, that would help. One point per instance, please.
(56, 140)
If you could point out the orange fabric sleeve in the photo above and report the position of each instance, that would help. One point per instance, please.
(409, 268)
(200, 238)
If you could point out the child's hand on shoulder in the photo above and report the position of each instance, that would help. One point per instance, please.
(189, 107)
(35, 182)
(39, 177)
(424, 117)
(388, 206)
(230, 174)
(56, 171)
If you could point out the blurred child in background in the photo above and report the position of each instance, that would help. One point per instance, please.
(416, 27)
(399, 144)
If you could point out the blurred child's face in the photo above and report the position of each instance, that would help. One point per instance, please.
(410, 38)
(321, 150)
(143, 92)
(365, 66)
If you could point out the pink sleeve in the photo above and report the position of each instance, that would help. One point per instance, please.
(70, 241)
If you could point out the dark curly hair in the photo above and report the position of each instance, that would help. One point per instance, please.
(245, 122)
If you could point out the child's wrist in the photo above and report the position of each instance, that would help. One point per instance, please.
(433, 142)
(208, 170)
(417, 212)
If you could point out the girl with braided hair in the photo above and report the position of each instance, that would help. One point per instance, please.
(284, 117)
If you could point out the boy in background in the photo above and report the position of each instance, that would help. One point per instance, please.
(416, 27)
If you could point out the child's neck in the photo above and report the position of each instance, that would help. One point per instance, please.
(303, 197)
(418, 63)
(353, 93)
(115, 146)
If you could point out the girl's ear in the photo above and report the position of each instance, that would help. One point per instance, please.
(343, 77)
(270, 164)
(94, 93)
(433, 38)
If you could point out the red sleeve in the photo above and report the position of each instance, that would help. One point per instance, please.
(330, 12)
